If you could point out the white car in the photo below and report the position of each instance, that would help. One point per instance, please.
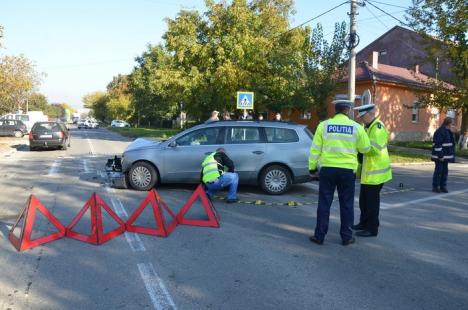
(119, 123)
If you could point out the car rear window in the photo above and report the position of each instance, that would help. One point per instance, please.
(47, 127)
(281, 135)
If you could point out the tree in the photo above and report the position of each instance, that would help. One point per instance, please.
(323, 68)
(97, 101)
(18, 78)
(37, 102)
(447, 22)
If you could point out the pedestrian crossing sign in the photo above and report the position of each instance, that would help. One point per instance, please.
(245, 100)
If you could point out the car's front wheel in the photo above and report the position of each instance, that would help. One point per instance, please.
(275, 180)
(142, 176)
(18, 134)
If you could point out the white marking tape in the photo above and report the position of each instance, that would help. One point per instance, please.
(155, 287)
(387, 206)
(54, 168)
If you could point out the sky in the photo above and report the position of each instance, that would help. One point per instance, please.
(80, 45)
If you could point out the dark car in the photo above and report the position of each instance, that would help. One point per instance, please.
(49, 135)
(12, 127)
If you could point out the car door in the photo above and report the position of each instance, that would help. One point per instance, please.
(246, 147)
(10, 127)
(183, 157)
(2, 127)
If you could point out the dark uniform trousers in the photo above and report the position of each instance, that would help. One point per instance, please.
(369, 203)
(343, 180)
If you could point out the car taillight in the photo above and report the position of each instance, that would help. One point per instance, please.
(61, 134)
(30, 136)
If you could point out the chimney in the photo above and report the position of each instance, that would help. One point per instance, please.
(374, 60)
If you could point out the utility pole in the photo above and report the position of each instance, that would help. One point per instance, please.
(353, 42)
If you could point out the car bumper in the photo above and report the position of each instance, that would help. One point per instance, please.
(46, 143)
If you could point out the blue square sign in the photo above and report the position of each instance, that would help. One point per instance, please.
(245, 100)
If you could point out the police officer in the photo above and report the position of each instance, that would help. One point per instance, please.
(214, 177)
(443, 152)
(334, 148)
(375, 171)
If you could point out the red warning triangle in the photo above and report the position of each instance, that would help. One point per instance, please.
(213, 218)
(28, 213)
(97, 236)
(158, 206)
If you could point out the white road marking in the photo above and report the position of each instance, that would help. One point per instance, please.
(453, 200)
(432, 197)
(133, 240)
(54, 168)
(156, 289)
(85, 165)
(91, 146)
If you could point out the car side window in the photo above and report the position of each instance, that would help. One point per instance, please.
(243, 135)
(281, 135)
(205, 136)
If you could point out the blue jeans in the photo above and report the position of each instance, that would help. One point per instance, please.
(439, 179)
(230, 179)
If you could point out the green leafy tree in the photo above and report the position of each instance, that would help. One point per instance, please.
(97, 102)
(447, 22)
(37, 102)
(18, 78)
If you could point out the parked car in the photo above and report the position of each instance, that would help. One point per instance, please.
(49, 135)
(11, 127)
(29, 118)
(273, 155)
(119, 123)
(82, 124)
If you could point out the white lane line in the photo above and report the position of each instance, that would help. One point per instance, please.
(464, 203)
(155, 287)
(91, 146)
(54, 168)
(85, 165)
(432, 197)
(133, 240)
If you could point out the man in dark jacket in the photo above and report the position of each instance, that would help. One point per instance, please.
(215, 178)
(443, 152)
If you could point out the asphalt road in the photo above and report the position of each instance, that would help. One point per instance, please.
(260, 258)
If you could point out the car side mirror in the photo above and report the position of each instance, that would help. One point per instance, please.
(172, 144)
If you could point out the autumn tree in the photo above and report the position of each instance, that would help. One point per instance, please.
(447, 22)
(97, 102)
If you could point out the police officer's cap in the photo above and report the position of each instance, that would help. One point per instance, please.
(364, 109)
(343, 103)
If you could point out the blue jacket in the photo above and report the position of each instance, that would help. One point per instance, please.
(443, 145)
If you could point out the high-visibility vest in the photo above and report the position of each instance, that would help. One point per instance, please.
(376, 163)
(337, 142)
(210, 169)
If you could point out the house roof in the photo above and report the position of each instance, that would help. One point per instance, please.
(391, 74)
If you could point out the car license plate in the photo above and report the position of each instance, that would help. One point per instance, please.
(46, 136)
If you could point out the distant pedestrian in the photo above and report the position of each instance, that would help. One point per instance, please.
(245, 116)
(374, 171)
(443, 152)
(226, 116)
(334, 147)
(214, 117)
(278, 117)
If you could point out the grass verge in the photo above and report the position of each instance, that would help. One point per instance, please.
(161, 133)
(398, 157)
(426, 145)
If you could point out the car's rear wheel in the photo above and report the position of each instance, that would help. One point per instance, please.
(142, 176)
(18, 134)
(275, 180)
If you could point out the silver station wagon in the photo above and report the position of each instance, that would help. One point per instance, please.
(273, 155)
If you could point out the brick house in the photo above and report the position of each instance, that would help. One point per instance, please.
(388, 68)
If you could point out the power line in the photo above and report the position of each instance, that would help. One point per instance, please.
(376, 17)
(396, 6)
(308, 21)
(367, 1)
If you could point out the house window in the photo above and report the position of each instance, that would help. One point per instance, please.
(415, 113)
(305, 114)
